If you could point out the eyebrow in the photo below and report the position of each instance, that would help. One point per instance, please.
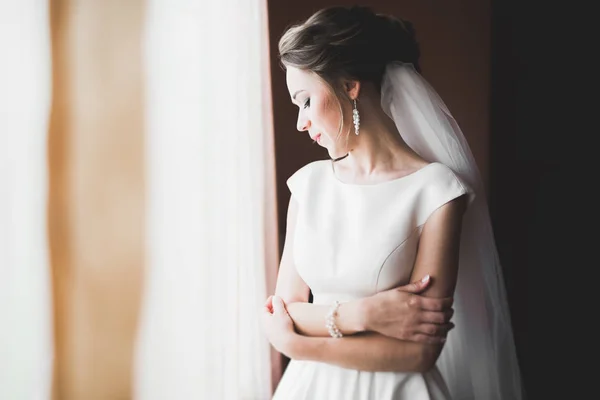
(297, 91)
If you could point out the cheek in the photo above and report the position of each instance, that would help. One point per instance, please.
(329, 116)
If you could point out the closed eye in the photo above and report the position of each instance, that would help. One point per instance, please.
(306, 103)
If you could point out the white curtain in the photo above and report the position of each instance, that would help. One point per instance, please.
(209, 153)
(25, 307)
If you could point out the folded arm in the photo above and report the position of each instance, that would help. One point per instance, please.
(359, 349)
(367, 351)
(401, 313)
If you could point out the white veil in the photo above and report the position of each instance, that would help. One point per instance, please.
(479, 359)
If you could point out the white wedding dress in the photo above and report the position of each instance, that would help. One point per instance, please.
(352, 241)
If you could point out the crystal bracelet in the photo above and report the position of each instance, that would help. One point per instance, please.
(330, 321)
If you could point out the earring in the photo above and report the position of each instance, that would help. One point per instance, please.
(355, 118)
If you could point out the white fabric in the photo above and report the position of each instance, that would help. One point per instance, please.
(26, 345)
(479, 360)
(209, 139)
(353, 241)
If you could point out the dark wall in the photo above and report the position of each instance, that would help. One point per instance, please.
(512, 191)
(543, 178)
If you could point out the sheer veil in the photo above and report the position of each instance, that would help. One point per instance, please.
(479, 359)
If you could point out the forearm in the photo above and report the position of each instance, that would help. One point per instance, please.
(367, 351)
(309, 319)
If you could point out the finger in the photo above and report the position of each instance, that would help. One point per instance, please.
(436, 329)
(417, 286)
(448, 314)
(269, 300)
(435, 304)
(278, 305)
(423, 338)
(269, 304)
(436, 317)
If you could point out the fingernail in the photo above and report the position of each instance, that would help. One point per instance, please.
(425, 278)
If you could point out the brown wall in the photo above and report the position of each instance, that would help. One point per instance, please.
(455, 48)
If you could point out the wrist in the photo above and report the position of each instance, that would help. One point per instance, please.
(365, 306)
(350, 317)
(354, 316)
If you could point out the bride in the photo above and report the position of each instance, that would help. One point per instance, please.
(399, 201)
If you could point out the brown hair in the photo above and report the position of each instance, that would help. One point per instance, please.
(348, 43)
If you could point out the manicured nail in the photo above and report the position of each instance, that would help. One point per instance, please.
(425, 278)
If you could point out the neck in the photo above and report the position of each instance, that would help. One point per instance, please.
(379, 148)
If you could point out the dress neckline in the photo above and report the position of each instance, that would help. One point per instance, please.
(402, 178)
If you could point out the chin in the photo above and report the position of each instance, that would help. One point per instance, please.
(336, 153)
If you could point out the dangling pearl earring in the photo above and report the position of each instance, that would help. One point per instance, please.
(355, 118)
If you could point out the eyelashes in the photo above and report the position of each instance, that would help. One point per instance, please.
(306, 103)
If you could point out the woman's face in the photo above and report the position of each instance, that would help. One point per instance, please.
(319, 112)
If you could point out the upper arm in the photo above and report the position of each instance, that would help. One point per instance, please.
(290, 286)
(437, 256)
(439, 247)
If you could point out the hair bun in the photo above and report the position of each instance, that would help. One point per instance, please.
(396, 36)
(401, 36)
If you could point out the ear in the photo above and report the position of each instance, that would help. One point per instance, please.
(352, 89)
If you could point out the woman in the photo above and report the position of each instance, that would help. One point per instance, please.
(400, 200)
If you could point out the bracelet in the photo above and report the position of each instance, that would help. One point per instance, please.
(330, 321)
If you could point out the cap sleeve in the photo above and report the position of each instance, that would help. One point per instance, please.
(298, 182)
(445, 187)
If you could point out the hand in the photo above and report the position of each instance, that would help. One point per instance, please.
(278, 325)
(404, 314)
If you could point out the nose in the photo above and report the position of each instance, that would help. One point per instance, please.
(303, 123)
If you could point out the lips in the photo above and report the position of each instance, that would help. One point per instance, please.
(317, 137)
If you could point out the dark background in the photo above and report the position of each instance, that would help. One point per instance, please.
(543, 198)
